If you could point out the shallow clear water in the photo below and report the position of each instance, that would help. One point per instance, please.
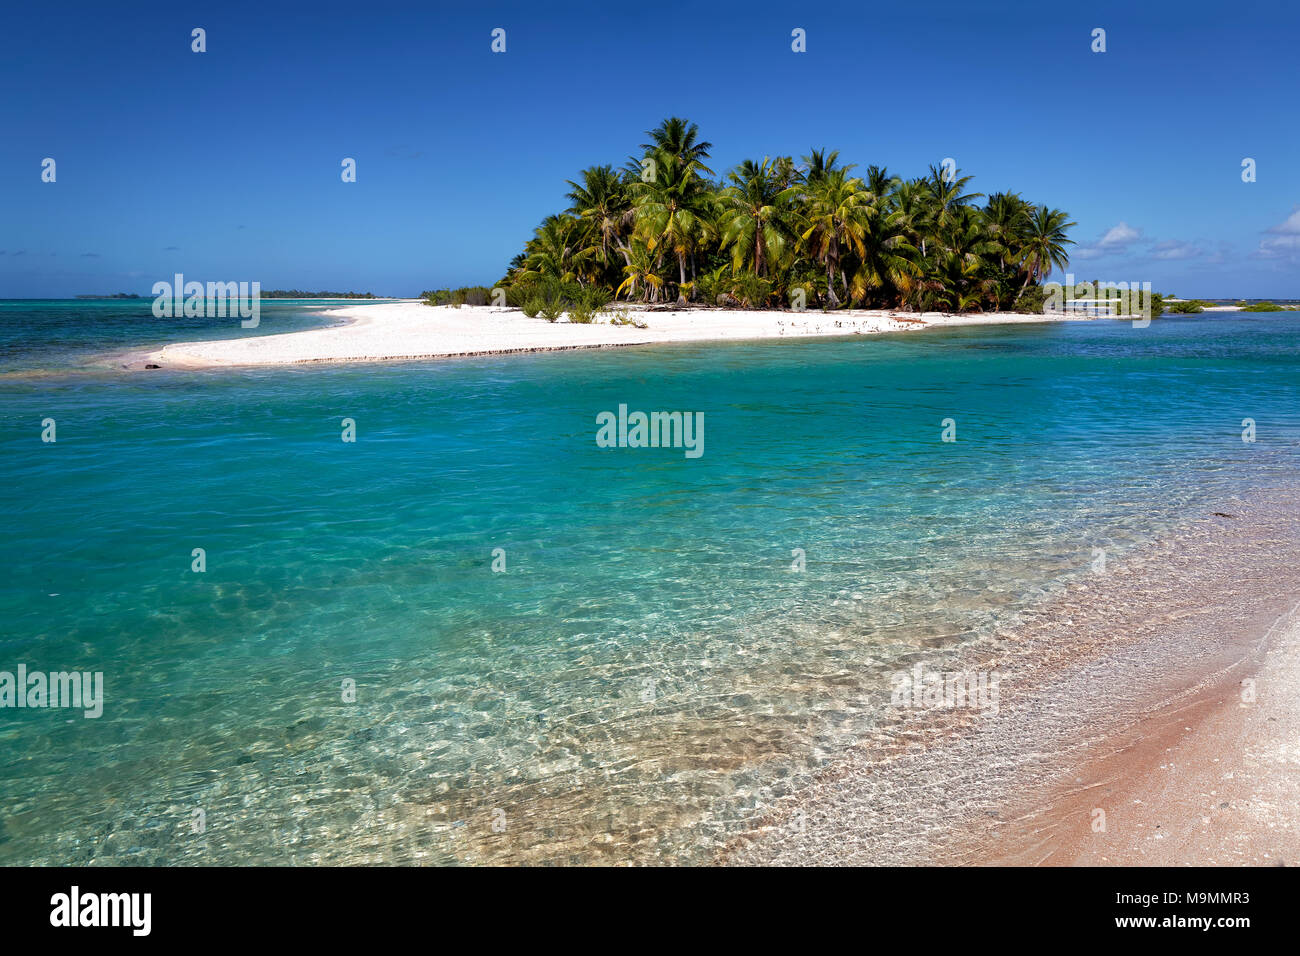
(648, 673)
(39, 335)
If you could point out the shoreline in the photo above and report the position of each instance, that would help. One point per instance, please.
(1204, 782)
(1124, 694)
(413, 331)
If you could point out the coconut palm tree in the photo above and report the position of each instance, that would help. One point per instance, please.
(946, 197)
(602, 202)
(755, 217)
(834, 217)
(679, 139)
(555, 250)
(886, 271)
(641, 273)
(819, 162)
(668, 208)
(1043, 243)
(1006, 217)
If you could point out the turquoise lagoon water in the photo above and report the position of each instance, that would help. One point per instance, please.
(648, 673)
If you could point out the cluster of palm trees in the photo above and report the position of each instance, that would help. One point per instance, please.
(662, 229)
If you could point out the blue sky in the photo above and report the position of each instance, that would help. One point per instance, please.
(225, 165)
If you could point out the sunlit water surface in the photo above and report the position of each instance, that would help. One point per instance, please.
(649, 672)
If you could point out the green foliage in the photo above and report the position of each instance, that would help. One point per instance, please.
(666, 227)
(466, 295)
(621, 317)
(752, 290)
(1186, 307)
(1031, 301)
(586, 302)
(1264, 307)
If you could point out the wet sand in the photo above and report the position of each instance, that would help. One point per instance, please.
(1212, 781)
(1124, 695)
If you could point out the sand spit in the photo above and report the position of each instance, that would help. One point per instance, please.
(411, 330)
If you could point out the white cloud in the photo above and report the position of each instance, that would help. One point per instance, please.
(1279, 247)
(1119, 235)
(1175, 249)
(1283, 240)
(1290, 227)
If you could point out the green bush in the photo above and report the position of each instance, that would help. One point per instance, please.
(465, 295)
(587, 302)
(519, 294)
(1187, 307)
(532, 305)
(1031, 301)
(752, 290)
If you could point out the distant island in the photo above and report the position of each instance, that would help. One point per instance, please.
(115, 295)
(775, 231)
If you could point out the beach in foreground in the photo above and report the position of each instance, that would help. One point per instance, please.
(412, 330)
(1147, 718)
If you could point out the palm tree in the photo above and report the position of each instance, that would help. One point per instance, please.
(667, 213)
(887, 269)
(835, 216)
(641, 272)
(754, 216)
(1043, 243)
(554, 251)
(963, 264)
(946, 197)
(678, 138)
(602, 202)
(1006, 216)
(879, 182)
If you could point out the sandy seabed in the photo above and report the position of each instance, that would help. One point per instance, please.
(1147, 718)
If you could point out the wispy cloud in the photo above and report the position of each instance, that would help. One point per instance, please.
(1119, 235)
(1172, 249)
(1114, 241)
(1283, 240)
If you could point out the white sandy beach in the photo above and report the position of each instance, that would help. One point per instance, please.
(412, 330)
